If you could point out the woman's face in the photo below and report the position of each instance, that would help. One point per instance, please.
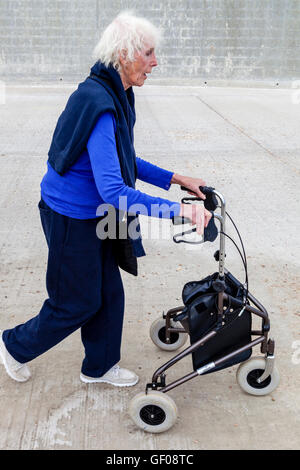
(135, 73)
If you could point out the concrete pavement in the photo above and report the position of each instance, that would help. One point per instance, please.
(243, 141)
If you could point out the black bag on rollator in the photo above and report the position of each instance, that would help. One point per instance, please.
(201, 312)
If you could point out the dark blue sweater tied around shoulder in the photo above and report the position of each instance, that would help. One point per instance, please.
(102, 91)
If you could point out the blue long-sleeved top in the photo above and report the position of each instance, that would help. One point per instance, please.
(96, 179)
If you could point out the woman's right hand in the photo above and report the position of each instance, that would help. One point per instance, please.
(198, 215)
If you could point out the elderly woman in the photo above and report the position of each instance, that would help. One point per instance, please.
(91, 162)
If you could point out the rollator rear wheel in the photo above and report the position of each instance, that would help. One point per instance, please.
(153, 412)
(248, 373)
(158, 335)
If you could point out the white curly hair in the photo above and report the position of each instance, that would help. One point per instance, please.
(125, 35)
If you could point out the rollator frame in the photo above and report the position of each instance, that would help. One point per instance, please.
(267, 345)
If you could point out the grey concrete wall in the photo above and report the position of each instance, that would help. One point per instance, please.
(205, 40)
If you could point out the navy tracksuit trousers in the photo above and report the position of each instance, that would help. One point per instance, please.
(85, 291)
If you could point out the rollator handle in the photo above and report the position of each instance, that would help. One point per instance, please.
(209, 235)
(204, 189)
(211, 202)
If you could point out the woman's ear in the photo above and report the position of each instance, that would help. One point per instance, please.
(123, 57)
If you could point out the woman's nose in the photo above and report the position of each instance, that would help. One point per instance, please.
(154, 61)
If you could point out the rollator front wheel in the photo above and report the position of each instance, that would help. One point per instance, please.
(158, 336)
(153, 412)
(248, 373)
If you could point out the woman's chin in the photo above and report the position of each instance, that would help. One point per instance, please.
(140, 82)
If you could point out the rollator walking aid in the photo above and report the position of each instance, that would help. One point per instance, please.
(216, 316)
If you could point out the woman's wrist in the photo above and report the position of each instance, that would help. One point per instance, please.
(177, 179)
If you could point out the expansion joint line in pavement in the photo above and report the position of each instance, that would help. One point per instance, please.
(245, 133)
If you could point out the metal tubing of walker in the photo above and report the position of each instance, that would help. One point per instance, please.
(211, 365)
(182, 354)
(222, 236)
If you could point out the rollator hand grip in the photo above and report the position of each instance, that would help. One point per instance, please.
(211, 202)
(210, 232)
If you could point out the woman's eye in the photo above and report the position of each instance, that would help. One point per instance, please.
(149, 52)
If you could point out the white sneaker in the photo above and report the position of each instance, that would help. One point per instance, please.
(115, 376)
(16, 370)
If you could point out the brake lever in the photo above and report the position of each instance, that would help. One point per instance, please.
(211, 204)
(175, 237)
(210, 232)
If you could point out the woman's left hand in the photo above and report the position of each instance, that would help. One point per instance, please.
(190, 183)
